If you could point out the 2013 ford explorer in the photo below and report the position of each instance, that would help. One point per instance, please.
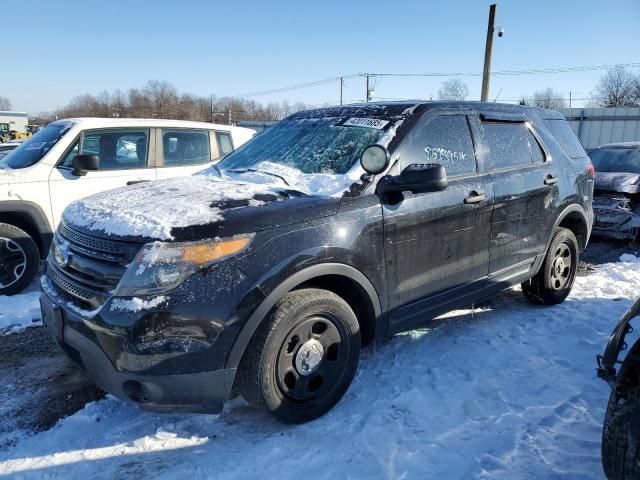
(268, 272)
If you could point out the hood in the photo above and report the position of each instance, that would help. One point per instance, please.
(190, 208)
(622, 182)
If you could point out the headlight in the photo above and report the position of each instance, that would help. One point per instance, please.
(160, 267)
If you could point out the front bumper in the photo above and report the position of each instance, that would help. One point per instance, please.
(614, 217)
(158, 383)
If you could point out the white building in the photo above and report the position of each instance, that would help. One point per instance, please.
(17, 121)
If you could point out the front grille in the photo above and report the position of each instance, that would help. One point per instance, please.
(88, 268)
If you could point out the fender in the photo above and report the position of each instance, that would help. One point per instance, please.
(33, 214)
(571, 209)
(574, 207)
(298, 278)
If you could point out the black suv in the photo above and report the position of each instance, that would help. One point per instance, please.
(265, 274)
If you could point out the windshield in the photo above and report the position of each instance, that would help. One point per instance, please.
(31, 151)
(327, 145)
(616, 159)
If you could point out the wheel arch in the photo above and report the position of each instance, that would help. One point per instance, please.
(342, 279)
(573, 218)
(31, 218)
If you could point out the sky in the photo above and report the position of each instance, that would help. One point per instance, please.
(55, 50)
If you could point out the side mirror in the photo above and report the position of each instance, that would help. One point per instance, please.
(84, 163)
(416, 178)
(374, 159)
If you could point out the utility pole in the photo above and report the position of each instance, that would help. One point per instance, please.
(211, 108)
(488, 50)
(367, 77)
(341, 85)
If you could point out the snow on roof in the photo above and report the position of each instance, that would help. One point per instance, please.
(621, 145)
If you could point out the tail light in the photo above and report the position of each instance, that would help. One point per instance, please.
(591, 170)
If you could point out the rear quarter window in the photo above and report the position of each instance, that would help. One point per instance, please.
(568, 140)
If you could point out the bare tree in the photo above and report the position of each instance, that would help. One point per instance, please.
(547, 98)
(617, 88)
(160, 99)
(5, 103)
(454, 89)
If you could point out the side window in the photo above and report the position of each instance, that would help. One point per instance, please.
(185, 147)
(537, 155)
(117, 149)
(563, 133)
(225, 145)
(445, 140)
(67, 161)
(508, 144)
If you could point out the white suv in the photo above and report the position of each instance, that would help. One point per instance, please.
(73, 158)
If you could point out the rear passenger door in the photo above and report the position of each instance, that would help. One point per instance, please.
(437, 243)
(526, 193)
(182, 152)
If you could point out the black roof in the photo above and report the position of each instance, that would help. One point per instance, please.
(405, 107)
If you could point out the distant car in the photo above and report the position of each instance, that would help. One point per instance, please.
(71, 159)
(616, 201)
(621, 431)
(6, 148)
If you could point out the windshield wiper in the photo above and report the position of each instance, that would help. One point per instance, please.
(253, 170)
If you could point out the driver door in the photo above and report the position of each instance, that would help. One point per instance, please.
(123, 154)
(437, 243)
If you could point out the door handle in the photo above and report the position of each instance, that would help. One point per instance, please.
(133, 182)
(475, 197)
(550, 180)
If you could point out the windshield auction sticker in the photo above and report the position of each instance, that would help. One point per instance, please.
(376, 123)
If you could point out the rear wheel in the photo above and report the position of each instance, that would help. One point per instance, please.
(621, 432)
(303, 358)
(553, 283)
(19, 259)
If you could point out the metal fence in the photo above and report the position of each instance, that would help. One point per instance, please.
(597, 126)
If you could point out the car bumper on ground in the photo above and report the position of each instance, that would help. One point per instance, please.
(197, 392)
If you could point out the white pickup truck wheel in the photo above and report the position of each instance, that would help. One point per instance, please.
(19, 259)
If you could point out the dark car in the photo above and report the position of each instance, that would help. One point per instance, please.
(621, 432)
(337, 227)
(616, 202)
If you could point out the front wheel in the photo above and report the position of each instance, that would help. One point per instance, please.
(553, 283)
(19, 259)
(303, 358)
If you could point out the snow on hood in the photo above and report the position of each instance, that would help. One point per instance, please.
(154, 209)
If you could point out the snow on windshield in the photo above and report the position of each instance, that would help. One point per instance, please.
(327, 145)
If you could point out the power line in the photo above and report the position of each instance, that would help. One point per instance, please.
(531, 71)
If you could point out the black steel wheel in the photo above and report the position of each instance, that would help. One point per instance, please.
(19, 259)
(553, 283)
(303, 358)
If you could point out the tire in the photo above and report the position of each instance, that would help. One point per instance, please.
(621, 431)
(553, 283)
(303, 358)
(19, 259)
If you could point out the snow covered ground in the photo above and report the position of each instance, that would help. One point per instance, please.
(508, 391)
(20, 311)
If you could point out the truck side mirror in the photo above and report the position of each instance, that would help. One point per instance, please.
(84, 163)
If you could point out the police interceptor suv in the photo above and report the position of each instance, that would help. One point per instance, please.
(266, 273)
